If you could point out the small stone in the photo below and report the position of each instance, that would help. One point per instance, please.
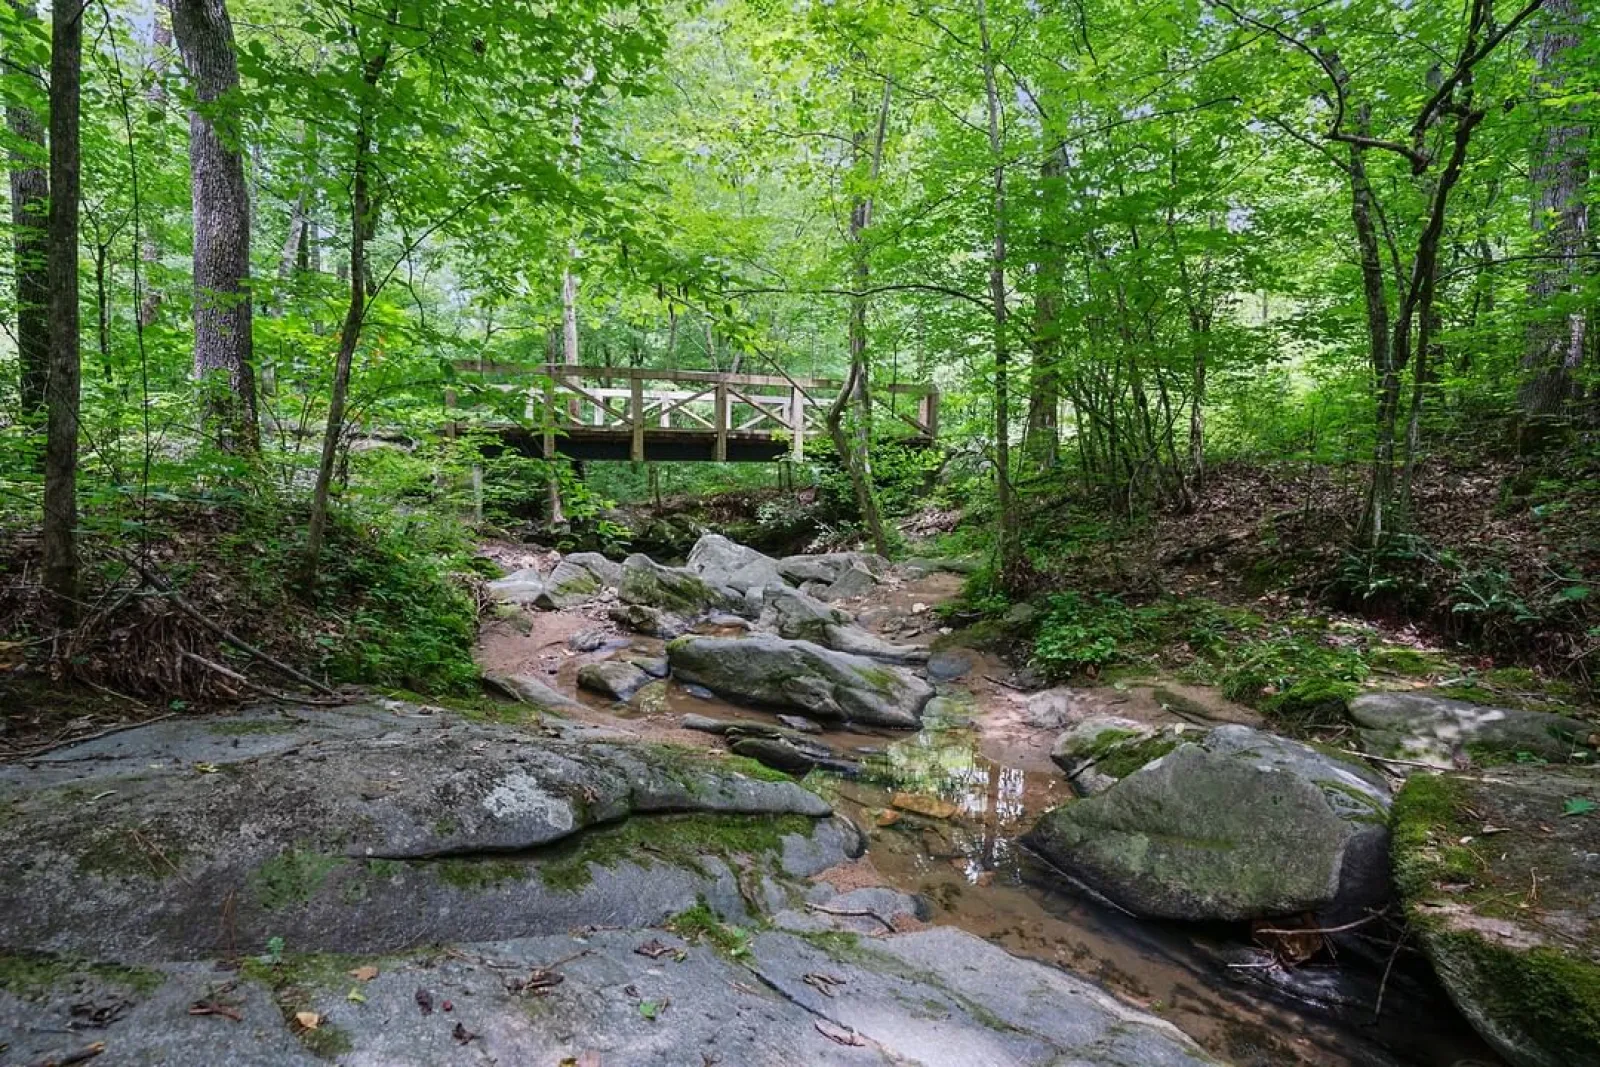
(887, 817)
(922, 804)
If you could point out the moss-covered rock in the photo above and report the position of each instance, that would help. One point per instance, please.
(1427, 728)
(1241, 825)
(1099, 752)
(670, 589)
(1498, 875)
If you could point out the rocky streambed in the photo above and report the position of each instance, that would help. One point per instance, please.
(751, 811)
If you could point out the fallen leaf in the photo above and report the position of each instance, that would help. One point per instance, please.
(921, 804)
(355, 995)
(652, 1009)
(887, 817)
(448, 1006)
(462, 1034)
(425, 1001)
(653, 948)
(840, 1035)
(206, 768)
(310, 1020)
(823, 983)
(364, 974)
(212, 1007)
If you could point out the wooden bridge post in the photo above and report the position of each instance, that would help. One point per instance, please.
(636, 419)
(721, 417)
(929, 413)
(797, 425)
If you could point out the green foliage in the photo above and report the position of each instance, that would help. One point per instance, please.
(1300, 668)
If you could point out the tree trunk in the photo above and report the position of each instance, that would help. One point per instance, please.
(30, 216)
(156, 97)
(1010, 531)
(363, 221)
(1042, 438)
(60, 537)
(1555, 339)
(222, 303)
(857, 460)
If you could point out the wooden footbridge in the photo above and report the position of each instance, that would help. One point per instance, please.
(640, 413)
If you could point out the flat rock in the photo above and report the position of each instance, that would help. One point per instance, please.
(824, 568)
(635, 997)
(1522, 963)
(614, 678)
(792, 755)
(1056, 709)
(1434, 730)
(428, 828)
(824, 684)
(519, 587)
(608, 572)
(949, 664)
(1242, 825)
(530, 690)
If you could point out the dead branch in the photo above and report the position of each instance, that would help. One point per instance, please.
(119, 728)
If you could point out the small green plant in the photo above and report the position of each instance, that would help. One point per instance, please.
(274, 954)
(1078, 632)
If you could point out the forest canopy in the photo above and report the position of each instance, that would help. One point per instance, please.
(255, 249)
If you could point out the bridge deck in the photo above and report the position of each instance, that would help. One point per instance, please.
(638, 413)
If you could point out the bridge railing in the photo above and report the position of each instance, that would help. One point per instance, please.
(569, 400)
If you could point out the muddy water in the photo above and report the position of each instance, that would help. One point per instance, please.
(989, 780)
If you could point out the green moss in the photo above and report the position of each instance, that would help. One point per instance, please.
(1122, 760)
(295, 981)
(30, 974)
(1311, 701)
(478, 875)
(1428, 820)
(755, 769)
(291, 878)
(131, 852)
(1540, 991)
(1408, 662)
(480, 707)
(700, 923)
(241, 727)
(678, 840)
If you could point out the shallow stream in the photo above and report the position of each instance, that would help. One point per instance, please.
(983, 780)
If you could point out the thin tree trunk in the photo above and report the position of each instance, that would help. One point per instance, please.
(1010, 532)
(1042, 438)
(857, 461)
(362, 223)
(156, 97)
(30, 239)
(60, 536)
(1560, 219)
(223, 350)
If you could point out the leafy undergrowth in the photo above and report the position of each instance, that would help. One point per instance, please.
(391, 605)
(1257, 591)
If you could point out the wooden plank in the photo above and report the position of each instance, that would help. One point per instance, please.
(797, 426)
(637, 424)
(720, 408)
(572, 370)
(549, 418)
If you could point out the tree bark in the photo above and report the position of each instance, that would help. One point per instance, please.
(60, 535)
(1560, 219)
(1042, 438)
(156, 97)
(30, 215)
(223, 349)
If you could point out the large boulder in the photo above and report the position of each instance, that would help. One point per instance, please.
(1498, 873)
(854, 581)
(1425, 728)
(673, 590)
(652, 622)
(366, 829)
(1242, 825)
(1097, 753)
(569, 585)
(527, 689)
(801, 617)
(825, 568)
(725, 564)
(824, 684)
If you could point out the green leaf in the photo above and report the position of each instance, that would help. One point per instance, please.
(1578, 806)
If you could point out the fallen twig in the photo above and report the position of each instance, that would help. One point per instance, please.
(1391, 759)
(1321, 929)
(82, 1055)
(862, 913)
(255, 687)
(69, 742)
(1009, 685)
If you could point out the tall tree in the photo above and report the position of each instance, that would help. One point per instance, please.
(60, 540)
(1560, 172)
(223, 351)
(30, 209)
